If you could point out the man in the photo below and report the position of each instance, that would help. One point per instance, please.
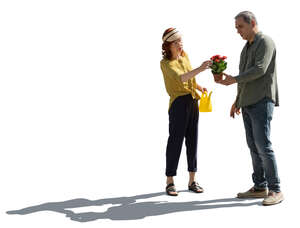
(257, 95)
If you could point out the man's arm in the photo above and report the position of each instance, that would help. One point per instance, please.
(238, 93)
(263, 57)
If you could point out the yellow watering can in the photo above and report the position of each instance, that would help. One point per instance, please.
(205, 102)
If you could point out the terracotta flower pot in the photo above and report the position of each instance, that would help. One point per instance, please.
(218, 77)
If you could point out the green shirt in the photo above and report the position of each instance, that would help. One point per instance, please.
(172, 71)
(257, 77)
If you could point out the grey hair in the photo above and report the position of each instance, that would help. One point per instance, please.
(247, 16)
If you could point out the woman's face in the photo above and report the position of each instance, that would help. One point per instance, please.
(176, 47)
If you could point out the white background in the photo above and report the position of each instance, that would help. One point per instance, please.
(83, 109)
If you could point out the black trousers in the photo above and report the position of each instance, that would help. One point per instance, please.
(183, 123)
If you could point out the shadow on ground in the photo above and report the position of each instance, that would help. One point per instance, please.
(127, 208)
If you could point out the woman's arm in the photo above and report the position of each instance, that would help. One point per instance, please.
(205, 65)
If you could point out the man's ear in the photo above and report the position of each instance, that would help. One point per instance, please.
(253, 23)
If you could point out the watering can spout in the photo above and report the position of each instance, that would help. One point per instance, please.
(209, 95)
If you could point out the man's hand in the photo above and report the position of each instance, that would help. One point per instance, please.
(234, 110)
(229, 80)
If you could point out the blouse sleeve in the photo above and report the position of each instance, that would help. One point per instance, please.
(171, 72)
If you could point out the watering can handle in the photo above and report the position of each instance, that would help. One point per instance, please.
(204, 94)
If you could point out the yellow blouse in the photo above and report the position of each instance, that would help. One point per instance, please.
(172, 70)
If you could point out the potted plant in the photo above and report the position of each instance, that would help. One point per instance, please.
(218, 66)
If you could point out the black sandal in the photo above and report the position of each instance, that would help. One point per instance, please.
(171, 188)
(195, 187)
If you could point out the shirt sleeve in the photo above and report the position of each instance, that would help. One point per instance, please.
(170, 72)
(263, 57)
(238, 93)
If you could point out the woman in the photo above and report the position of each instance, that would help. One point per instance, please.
(181, 86)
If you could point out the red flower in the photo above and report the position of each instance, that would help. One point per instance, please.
(218, 58)
(215, 57)
(218, 64)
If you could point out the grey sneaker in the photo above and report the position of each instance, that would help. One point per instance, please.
(253, 193)
(273, 198)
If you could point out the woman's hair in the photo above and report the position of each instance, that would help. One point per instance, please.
(166, 50)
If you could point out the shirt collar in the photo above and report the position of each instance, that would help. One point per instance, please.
(257, 36)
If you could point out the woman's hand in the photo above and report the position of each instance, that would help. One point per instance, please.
(201, 89)
(205, 65)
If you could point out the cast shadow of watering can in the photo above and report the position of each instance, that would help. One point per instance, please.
(205, 103)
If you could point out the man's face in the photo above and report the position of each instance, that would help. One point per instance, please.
(243, 28)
